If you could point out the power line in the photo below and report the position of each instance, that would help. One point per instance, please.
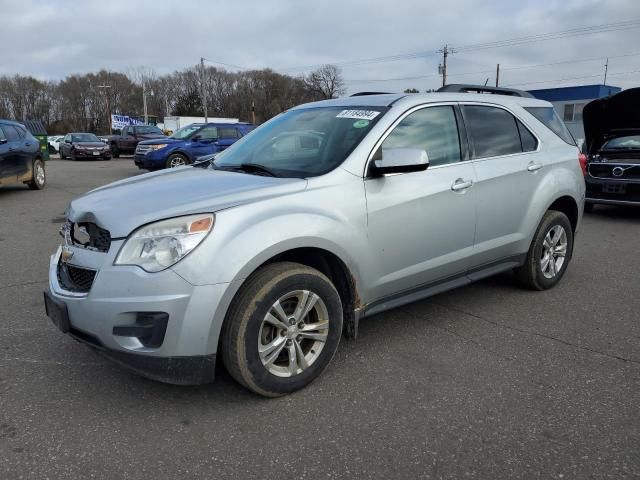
(225, 64)
(588, 30)
(516, 67)
(573, 78)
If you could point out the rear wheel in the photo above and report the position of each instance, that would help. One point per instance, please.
(39, 177)
(176, 160)
(549, 253)
(282, 329)
(73, 157)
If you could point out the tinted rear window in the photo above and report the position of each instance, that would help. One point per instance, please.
(549, 117)
(493, 131)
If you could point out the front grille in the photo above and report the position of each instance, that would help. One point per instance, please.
(143, 149)
(75, 279)
(614, 171)
(87, 235)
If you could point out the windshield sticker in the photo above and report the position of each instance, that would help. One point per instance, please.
(360, 123)
(358, 114)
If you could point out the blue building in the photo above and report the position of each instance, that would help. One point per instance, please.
(569, 102)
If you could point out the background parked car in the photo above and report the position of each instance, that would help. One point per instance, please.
(20, 157)
(189, 143)
(130, 136)
(82, 146)
(612, 130)
(54, 143)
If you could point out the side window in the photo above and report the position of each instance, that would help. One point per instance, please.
(493, 131)
(208, 133)
(125, 131)
(433, 129)
(2, 135)
(11, 132)
(549, 117)
(529, 142)
(226, 132)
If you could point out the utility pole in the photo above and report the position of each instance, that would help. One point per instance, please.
(253, 112)
(202, 89)
(106, 103)
(144, 99)
(606, 67)
(442, 69)
(497, 75)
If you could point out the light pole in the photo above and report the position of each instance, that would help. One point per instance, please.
(106, 101)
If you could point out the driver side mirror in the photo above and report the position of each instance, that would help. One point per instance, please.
(67, 141)
(399, 160)
(3, 141)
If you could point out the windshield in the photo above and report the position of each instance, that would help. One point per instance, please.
(301, 143)
(185, 132)
(623, 143)
(147, 130)
(84, 137)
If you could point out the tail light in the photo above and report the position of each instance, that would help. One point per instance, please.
(582, 158)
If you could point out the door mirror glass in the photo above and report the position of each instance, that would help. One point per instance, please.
(400, 160)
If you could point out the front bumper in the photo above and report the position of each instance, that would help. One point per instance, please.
(151, 161)
(612, 192)
(120, 296)
(104, 155)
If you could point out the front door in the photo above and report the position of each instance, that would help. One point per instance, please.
(422, 224)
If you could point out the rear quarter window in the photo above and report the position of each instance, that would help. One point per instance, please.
(551, 120)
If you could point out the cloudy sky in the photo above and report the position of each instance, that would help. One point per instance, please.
(51, 39)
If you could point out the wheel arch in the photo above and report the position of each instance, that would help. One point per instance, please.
(567, 205)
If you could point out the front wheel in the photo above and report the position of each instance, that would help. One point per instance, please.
(39, 177)
(176, 160)
(549, 253)
(115, 151)
(282, 329)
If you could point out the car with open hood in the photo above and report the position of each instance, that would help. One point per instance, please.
(612, 134)
(264, 254)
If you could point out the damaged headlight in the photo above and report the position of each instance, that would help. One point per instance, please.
(159, 245)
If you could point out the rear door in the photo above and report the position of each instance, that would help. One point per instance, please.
(14, 153)
(4, 156)
(227, 136)
(421, 224)
(507, 165)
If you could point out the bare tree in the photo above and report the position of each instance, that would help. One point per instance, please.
(325, 83)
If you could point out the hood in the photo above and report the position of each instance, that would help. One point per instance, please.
(123, 206)
(153, 135)
(89, 144)
(611, 117)
(159, 140)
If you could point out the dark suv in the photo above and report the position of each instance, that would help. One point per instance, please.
(612, 131)
(20, 157)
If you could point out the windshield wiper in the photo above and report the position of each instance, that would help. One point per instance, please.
(250, 168)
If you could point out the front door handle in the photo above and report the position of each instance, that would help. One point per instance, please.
(460, 185)
(534, 167)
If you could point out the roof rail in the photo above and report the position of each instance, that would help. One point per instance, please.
(362, 94)
(462, 88)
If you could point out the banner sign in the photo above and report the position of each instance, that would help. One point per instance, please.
(118, 122)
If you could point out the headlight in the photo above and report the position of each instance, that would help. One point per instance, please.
(159, 245)
(158, 146)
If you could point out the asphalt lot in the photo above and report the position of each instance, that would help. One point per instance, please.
(488, 381)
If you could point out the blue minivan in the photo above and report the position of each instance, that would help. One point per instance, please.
(188, 143)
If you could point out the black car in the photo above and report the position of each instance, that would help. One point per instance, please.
(78, 146)
(20, 157)
(612, 133)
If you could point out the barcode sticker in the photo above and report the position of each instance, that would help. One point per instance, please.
(358, 114)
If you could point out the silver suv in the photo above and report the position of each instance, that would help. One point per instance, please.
(332, 211)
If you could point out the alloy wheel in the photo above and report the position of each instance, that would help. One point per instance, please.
(554, 251)
(293, 333)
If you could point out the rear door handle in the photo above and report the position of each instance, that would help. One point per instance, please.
(533, 167)
(460, 185)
